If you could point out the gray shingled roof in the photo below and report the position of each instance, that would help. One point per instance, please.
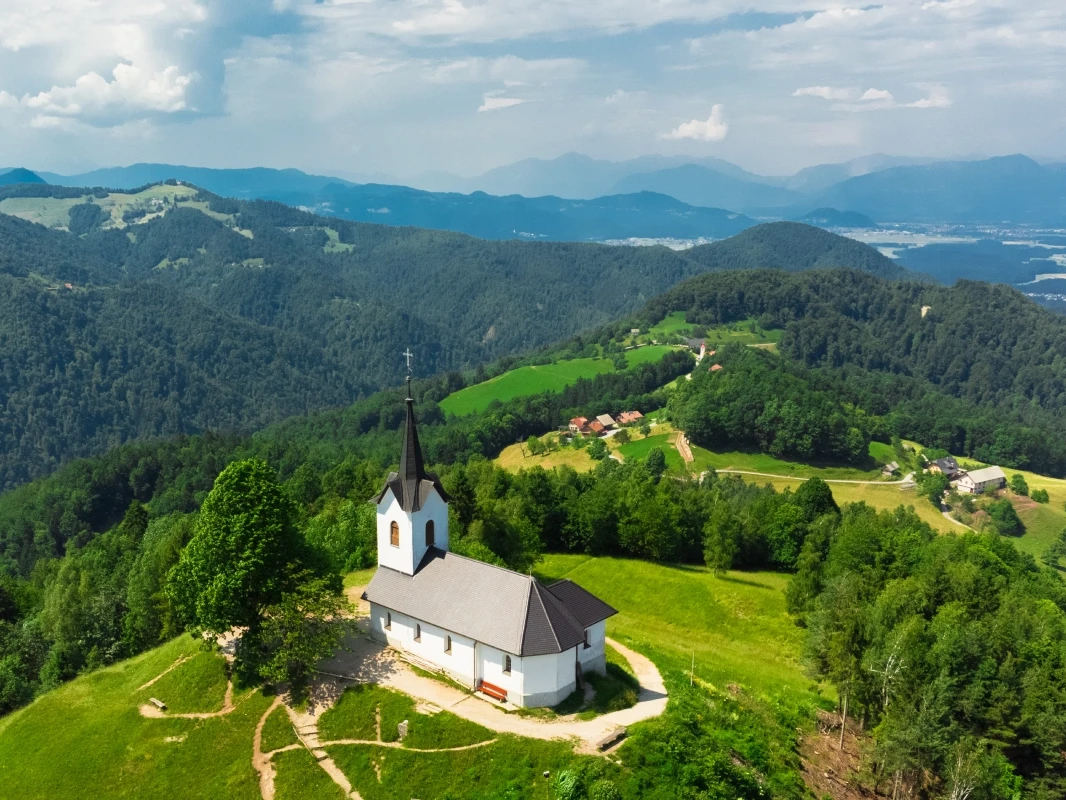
(492, 605)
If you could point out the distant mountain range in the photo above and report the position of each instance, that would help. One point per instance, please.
(575, 197)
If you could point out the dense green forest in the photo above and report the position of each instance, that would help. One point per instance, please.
(225, 315)
(975, 369)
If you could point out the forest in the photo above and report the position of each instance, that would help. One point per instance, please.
(974, 368)
(227, 315)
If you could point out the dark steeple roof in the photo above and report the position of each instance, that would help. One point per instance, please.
(412, 483)
(412, 469)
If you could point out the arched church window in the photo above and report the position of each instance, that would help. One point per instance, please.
(431, 534)
(506, 665)
(394, 534)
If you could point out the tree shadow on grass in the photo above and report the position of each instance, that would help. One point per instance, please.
(745, 582)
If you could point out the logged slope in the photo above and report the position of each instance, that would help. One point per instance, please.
(246, 313)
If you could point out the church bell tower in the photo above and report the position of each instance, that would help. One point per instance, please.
(412, 507)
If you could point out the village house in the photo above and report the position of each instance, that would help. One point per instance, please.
(492, 629)
(981, 480)
(946, 466)
(606, 420)
(629, 417)
(579, 425)
(596, 427)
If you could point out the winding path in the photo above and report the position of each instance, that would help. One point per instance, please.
(369, 662)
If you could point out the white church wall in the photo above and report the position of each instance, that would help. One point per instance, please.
(594, 657)
(412, 528)
(398, 558)
(434, 509)
(491, 663)
(458, 664)
(548, 679)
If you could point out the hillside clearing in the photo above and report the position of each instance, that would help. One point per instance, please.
(526, 381)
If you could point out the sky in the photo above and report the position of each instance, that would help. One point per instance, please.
(403, 87)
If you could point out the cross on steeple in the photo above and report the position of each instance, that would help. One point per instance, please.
(408, 355)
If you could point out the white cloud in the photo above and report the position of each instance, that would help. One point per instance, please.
(712, 129)
(494, 102)
(133, 92)
(937, 97)
(825, 92)
(872, 94)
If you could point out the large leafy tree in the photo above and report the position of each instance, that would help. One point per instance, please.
(244, 554)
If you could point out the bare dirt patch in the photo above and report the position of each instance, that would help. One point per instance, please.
(829, 771)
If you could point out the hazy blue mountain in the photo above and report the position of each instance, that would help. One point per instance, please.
(19, 175)
(257, 182)
(831, 218)
(822, 176)
(479, 214)
(1006, 189)
(702, 186)
(571, 175)
(642, 214)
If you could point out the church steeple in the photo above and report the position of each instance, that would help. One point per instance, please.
(412, 468)
(412, 515)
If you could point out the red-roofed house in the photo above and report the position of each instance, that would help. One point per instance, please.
(715, 368)
(627, 417)
(579, 424)
(596, 427)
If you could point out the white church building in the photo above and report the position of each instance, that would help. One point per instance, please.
(489, 628)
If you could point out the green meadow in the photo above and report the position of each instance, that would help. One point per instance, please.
(639, 449)
(526, 381)
(734, 626)
(739, 332)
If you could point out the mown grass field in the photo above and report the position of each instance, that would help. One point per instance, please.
(526, 381)
(738, 332)
(87, 739)
(735, 625)
(1043, 521)
(638, 450)
(55, 212)
(763, 462)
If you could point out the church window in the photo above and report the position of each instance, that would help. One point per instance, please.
(418, 632)
(394, 534)
(388, 621)
(430, 534)
(506, 665)
(447, 644)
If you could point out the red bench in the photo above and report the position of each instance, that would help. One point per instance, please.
(493, 691)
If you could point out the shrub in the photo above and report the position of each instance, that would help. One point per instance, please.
(1018, 484)
(1039, 495)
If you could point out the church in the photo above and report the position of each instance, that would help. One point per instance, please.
(492, 629)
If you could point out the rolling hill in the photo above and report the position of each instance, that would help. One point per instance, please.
(634, 214)
(187, 312)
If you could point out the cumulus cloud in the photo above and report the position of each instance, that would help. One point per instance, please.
(872, 94)
(825, 92)
(133, 92)
(936, 97)
(494, 101)
(712, 129)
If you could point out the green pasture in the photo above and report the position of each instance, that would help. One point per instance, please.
(87, 739)
(526, 381)
(763, 462)
(638, 450)
(735, 626)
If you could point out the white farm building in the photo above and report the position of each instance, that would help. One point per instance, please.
(487, 627)
(980, 480)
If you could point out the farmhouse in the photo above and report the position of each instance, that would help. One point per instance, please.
(579, 425)
(606, 420)
(947, 466)
(492, 629)
(629, 417)
(981, 480)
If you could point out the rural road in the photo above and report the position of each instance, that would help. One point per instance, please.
(797, 478)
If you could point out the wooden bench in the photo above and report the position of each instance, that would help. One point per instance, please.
(611, 738)
(492, 691)
(158, 703)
